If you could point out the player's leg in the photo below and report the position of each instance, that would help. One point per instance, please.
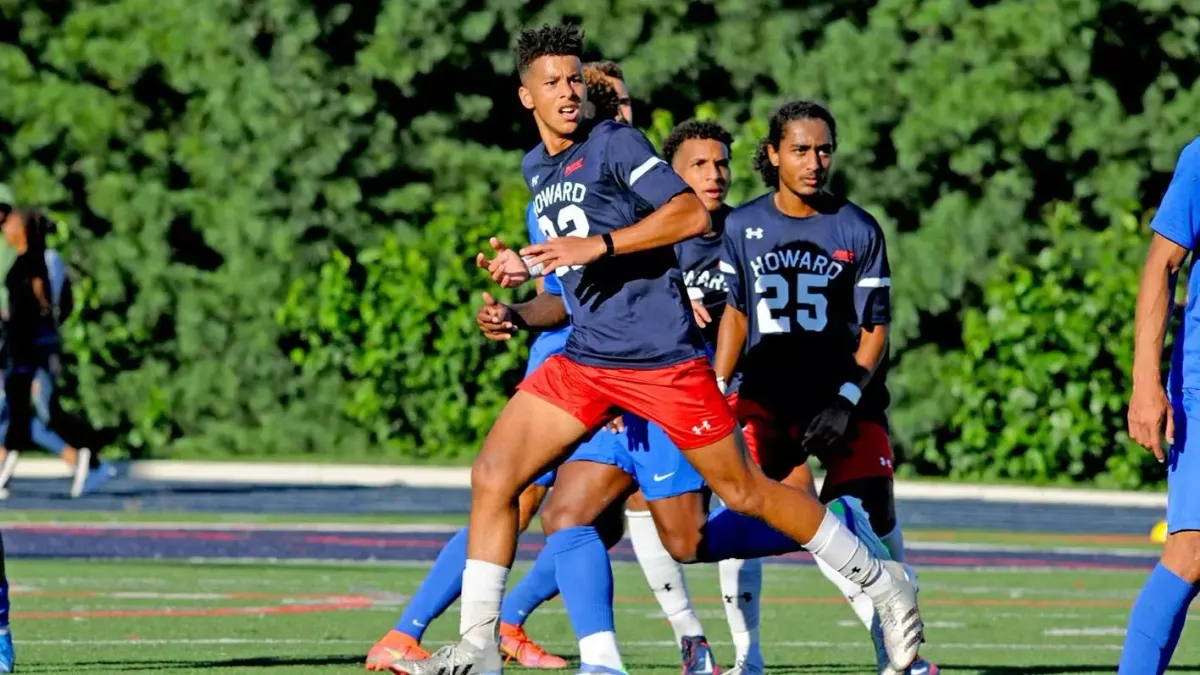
(669, 527)
(442, 586)
(1161, 609)
(537, 586)
(533, 433)
(686, 402)
(6, 644)
(586, 488)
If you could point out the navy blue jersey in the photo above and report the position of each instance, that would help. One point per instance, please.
(627, 311)
(703, 274)
(807, 287)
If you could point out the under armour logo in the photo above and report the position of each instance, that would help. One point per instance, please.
(667, 587)
(729, 599)
(754, 233)
(884, 461)
(855, 570)
(704, 426)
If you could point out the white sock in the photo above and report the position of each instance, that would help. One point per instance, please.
(894, 540)
(863, 608)
(482, 590)
(741, 588)
(600, 649)
(836, 546)
(664, 575)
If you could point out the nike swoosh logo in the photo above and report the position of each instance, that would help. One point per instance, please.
(658, 478)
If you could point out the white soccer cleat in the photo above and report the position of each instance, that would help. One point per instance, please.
(460, 659)
(900, 618)
(745, 668)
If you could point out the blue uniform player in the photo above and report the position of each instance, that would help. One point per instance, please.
(613, 211)
(1161, 609)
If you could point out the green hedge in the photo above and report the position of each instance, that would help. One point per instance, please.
(213, 160)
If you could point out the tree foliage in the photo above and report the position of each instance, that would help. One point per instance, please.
(238, 178)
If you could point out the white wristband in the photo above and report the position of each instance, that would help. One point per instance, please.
(534, 270)
(851, 393)
(721, 384)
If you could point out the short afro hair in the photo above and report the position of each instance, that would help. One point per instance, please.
(788, 112)
(557, 40)
(601, 95)
(694, 129)
(607, 68)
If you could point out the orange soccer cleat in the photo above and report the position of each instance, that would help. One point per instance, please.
(395, 646)
(515, 644)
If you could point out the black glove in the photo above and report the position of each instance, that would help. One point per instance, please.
(828, 428)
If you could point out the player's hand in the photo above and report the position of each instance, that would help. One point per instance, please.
(828, 428)
(495, 319)
(703, 318)
(507, 268)
(1149, 412)
(616, 424)
(564, 252)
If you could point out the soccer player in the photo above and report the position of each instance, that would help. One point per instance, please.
(699, 153)
(1161, 609)
(616, 209)
(807, 318)
(609, 99)
(6, 644)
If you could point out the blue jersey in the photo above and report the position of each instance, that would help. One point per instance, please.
(1178, 219)
(704, 275)
(807, 287)
(627, 311)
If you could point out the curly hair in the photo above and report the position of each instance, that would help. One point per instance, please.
(601, 95)
(608, 68)
(694, 129)
(558, 40)
(788, 112)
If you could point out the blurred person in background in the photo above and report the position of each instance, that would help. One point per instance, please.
(38, 296)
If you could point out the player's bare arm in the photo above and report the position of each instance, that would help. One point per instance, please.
(731, 337)
(872, 346)
(683, 217)
(1149, 407)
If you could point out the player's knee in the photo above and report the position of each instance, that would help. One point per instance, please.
(682, 543)
(561, 514)
(742, 497)
(492, 479)
(1181, 555)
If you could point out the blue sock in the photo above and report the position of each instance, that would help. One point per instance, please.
(440, 588)
(585, 579)
(3, 603)
(536, 587)
(730, 534)
(1158, 615)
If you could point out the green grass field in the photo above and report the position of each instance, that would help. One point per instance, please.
(142, 617)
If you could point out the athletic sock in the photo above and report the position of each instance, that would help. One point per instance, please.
(482, 590)
(741, 589)
(836, 545)
(1162, 604)
(4, 603)
(585, 580)
(535, 588)
(439, 590)
(665, 576)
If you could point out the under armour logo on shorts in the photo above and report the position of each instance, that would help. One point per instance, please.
(704, 426)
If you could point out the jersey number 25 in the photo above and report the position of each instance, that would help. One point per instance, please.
(572, 222)
(810, 308)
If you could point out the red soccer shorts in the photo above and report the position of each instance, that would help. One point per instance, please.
(776, 439)
(683, 399)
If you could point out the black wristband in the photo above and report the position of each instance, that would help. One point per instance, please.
(608, 244)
